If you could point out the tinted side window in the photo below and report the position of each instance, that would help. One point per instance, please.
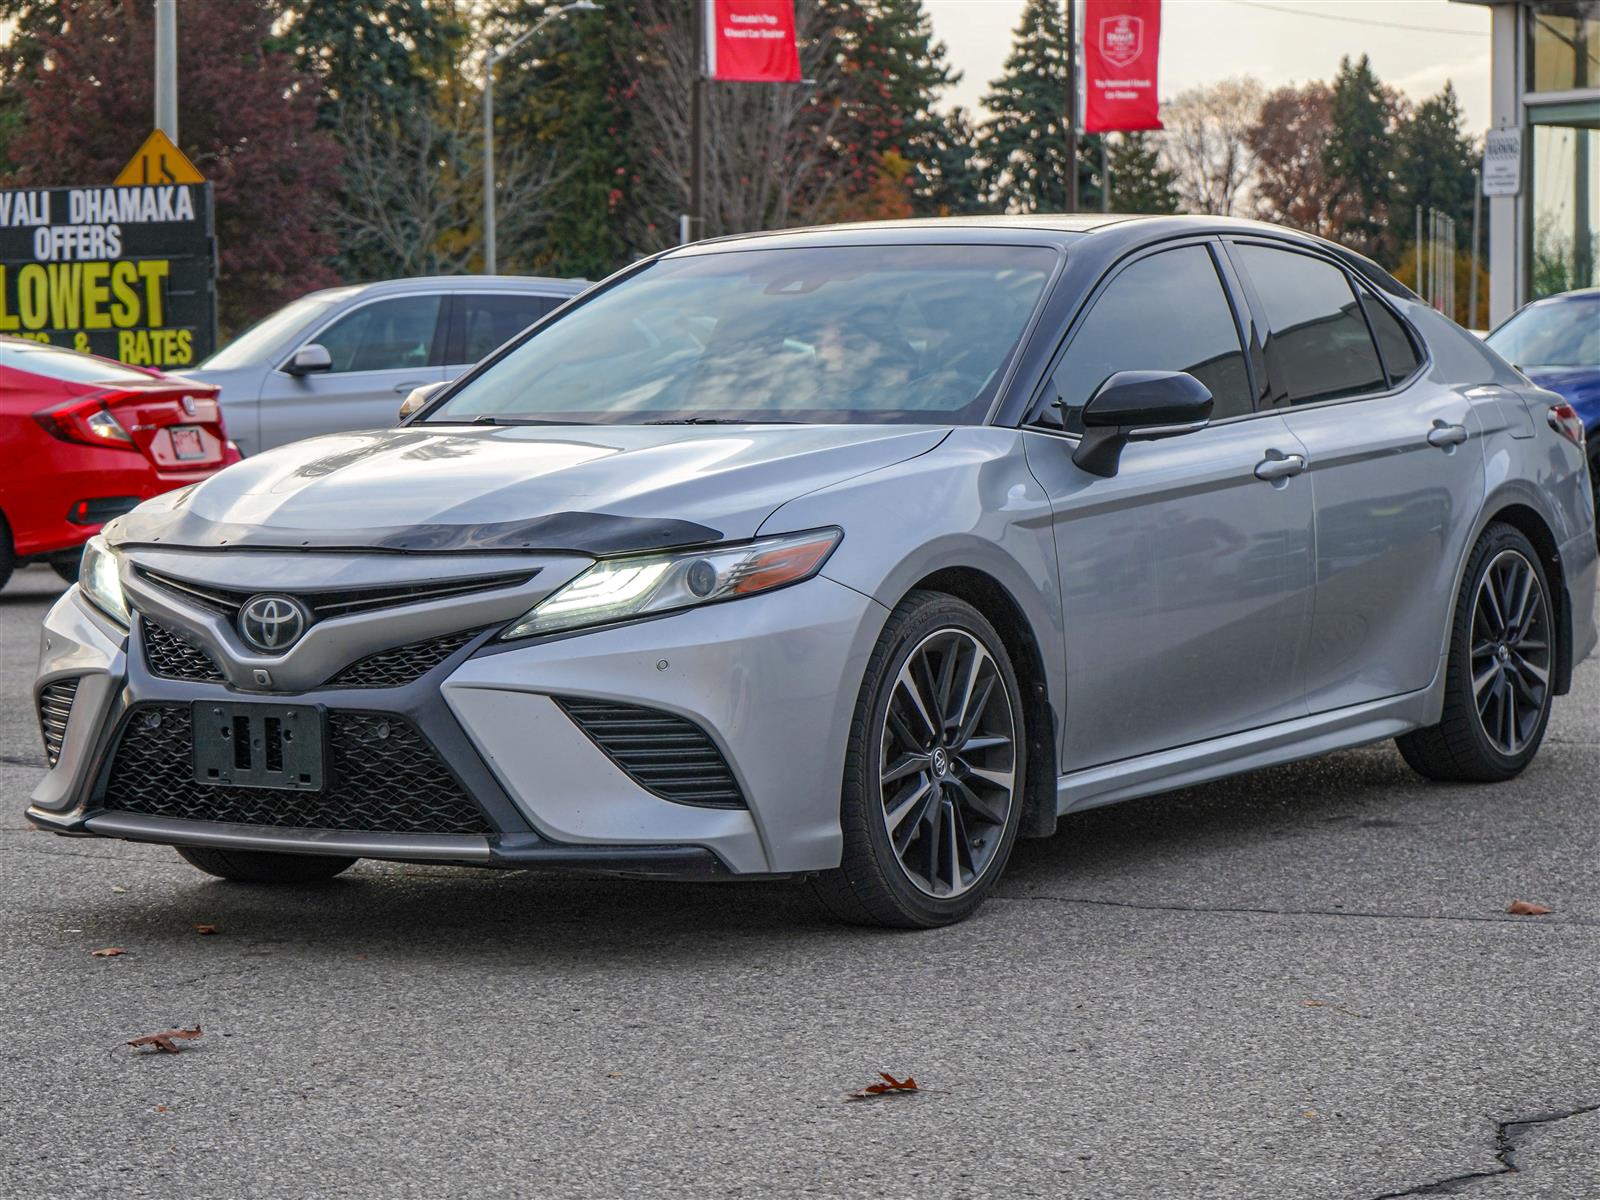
(386, 335)
(1394, 343)
(1167, 312)
(1318, 347)
(485, 322)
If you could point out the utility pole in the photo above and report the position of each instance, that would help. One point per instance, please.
(1472, 282)
(1072, 106)
(695, 226)
(167, 68)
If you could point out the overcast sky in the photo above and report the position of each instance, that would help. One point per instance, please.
(1281, 41)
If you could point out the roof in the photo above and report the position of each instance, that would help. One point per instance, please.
(542, 284)
(1057, 228)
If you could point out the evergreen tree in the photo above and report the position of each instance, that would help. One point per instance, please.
(951, 181)
(1024, 143)
(1436, 162)
(1359, 156)
(1139, 182)
(566, 100)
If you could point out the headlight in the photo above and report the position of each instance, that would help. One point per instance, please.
(619, 589)
(97, 576)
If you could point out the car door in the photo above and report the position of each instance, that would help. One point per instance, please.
(482, 322)
(1185, 579)
(379, 350)
(1395, 469)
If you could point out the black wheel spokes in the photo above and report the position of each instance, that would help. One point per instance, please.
(948, 765)
(1510, 652)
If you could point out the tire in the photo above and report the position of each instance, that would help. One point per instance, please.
(264, 866)
(1490, 730)
(66, 565)
(1594, 488)
(964, 815)
(8, 559)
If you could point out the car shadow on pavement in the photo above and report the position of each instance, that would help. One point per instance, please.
(433, 913)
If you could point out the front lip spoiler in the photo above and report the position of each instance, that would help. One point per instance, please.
(514, 851)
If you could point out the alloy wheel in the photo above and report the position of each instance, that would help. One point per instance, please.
(1511, 652)
(947, 770)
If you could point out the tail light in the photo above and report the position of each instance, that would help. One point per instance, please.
(1564, 420)
(85, 421)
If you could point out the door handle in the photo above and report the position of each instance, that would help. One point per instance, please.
(1279, 466)
(401, 389)
(1443, 435)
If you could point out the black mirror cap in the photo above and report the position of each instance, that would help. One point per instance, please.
(1139, 399)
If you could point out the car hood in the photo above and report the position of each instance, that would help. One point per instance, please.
(588, 489)
(1579, 386)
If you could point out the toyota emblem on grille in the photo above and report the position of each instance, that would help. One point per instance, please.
(272, 623)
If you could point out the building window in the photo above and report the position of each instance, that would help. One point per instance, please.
(1565, 199)
(1563, 46)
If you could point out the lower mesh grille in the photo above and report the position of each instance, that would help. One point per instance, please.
(55, 706)
(401, 665)
(383, 777)
(172, 656)
(664, 754)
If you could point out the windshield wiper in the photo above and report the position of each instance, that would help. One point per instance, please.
(716, 421)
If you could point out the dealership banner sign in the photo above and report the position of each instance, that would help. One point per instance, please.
(1121, 45)
(751, 41)
(125, 272)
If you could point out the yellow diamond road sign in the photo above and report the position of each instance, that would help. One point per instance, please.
(158, 161)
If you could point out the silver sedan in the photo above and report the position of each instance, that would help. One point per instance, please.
(852, 554)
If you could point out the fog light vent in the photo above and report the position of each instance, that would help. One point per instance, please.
(667, 755)
(55, 707)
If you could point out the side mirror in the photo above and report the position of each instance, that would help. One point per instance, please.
(308, 359)
(417, 397)
(1138, 406)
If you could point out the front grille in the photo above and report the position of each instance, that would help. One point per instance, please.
(173, 656)
(401, 665)
(343, 602)
(666, 755)
(55, 706)
(383, 777)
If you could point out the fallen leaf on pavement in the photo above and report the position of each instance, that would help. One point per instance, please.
(108, 951)
(1527, 908)
(889, 1087)
(205, 928)
(167, 1040)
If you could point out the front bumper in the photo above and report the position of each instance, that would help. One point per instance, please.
(771, 680)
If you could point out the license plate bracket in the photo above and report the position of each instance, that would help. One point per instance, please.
(187, 444)
(277, 746)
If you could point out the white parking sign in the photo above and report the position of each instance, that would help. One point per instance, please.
(1502, 162)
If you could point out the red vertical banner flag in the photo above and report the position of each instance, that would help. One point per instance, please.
(1121, 46)
(751, 41)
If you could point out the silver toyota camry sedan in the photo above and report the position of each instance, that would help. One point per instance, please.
(851, 554)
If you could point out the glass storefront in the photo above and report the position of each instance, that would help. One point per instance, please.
(1565, 198)
(1563, 145)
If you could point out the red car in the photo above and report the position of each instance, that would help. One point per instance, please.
(83, 439)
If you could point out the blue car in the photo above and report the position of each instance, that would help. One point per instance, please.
(1556, 343)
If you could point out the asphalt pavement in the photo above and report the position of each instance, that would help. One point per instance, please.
(1300, 983)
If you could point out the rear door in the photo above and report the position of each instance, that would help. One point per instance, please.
(381, 349)
(481, 322)
(1395, 468)
(1185, 578)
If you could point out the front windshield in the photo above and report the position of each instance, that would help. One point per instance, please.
(1563, 334)
(853, 334)
(255, 344)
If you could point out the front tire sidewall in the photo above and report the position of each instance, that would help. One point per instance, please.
(862, 790)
